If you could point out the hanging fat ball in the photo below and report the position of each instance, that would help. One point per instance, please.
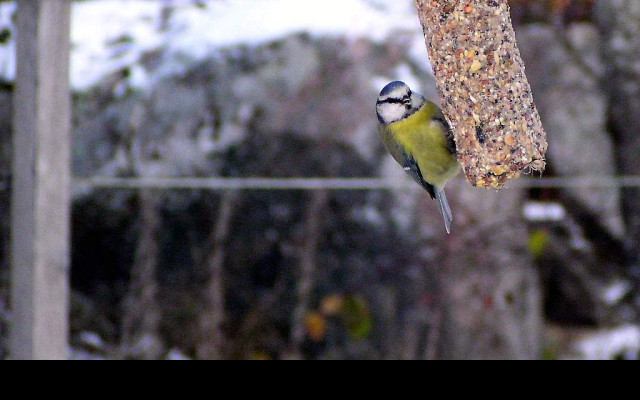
(483, 89)
(419, 138)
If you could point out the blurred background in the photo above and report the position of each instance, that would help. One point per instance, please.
(545, 269)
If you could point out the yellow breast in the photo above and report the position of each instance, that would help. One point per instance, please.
(424, 139)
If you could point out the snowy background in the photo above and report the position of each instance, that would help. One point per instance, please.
(110, 35)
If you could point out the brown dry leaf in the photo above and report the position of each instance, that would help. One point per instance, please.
(331, 305)
(316, 326)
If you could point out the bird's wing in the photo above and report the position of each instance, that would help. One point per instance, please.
(451, 143)
(412, 168)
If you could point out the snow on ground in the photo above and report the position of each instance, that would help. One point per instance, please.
(543, 212)
(608, 345)
(8, 50)
(109, 35)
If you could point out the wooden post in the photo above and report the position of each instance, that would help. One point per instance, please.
(41, 181)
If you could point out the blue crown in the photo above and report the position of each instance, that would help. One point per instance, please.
(392, 87)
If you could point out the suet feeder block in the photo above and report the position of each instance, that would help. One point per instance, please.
(483, 88)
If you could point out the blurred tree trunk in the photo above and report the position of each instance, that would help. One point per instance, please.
(142, 316)
(306, 281)
(619, 22)
(491, 296)
(212, 344)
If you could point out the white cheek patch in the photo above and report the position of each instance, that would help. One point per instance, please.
(391, 112)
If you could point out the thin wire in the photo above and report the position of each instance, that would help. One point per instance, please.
(221, 184)
(577, 182)
(242, 183)
(335, 183)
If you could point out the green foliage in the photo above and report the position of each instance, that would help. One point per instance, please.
(538, 242)
(357, 317)
(550, 354)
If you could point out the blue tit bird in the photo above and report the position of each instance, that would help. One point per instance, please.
(420, 139)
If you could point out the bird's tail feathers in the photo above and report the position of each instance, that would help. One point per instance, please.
(444, 208)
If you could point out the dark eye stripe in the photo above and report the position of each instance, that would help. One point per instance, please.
(395, 101)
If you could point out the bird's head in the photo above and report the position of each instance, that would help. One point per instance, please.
(397, 102)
